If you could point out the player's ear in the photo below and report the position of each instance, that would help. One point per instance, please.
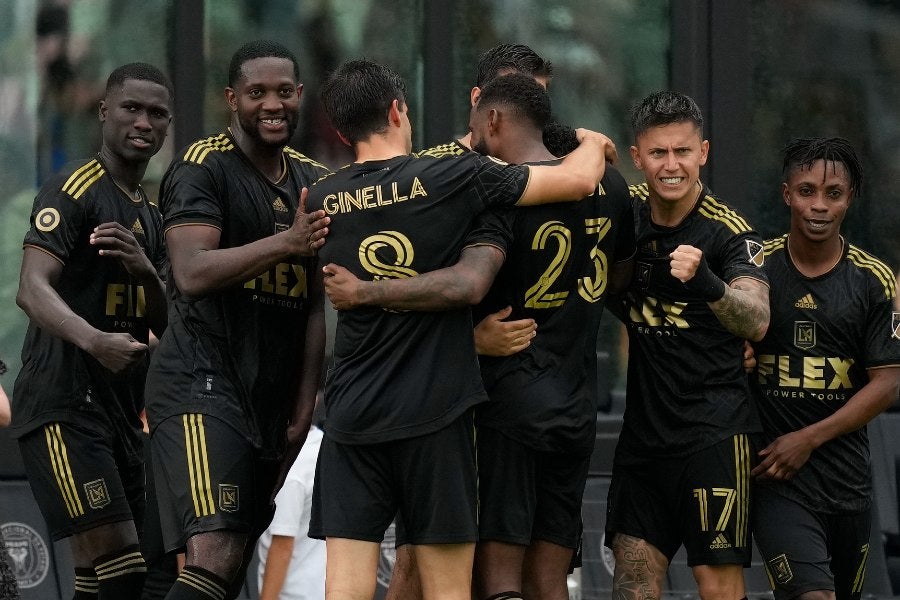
(102, 110)
(299, 90)
(636, 158)
(231, 99)
(474, 95)
(786, 193)
(394, 113)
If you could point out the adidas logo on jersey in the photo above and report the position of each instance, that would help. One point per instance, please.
(137, 227)
(720, 543)
(279, 205)
(806, 302)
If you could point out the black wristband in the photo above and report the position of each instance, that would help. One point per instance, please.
(705, 283)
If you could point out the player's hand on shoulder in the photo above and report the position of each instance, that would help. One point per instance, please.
(114, 240)
(342, 287)
(496, 337)
(309, 229)
(608, 147)
(116, 351)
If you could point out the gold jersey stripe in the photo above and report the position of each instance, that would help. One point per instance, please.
(302, 157)
(642, 191)
(210, 588)
(865, 260)
(711, 208)
(451, 149)
(59, 459)
(861, 570)
(774, 244)
(198, 465)
(742, 465)
(77, 186)
(198, 150)
(82, 173)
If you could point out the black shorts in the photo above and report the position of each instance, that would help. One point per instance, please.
(805, 550)
(701, 501)
(209, 477)
(82, 476)
(430, 481)
(528, 495)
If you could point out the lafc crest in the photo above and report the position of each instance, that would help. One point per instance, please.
(97, 494)
(780, 569)
(229, 497)
(805, 334)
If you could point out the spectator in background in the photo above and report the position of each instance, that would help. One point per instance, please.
(292, 564)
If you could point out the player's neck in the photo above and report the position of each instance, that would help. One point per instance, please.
(814, 258)
(523, 147)
(671, 214)
(127, 175)
(268, 158)
(380, 147)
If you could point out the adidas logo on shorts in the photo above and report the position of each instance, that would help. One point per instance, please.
(720, 543)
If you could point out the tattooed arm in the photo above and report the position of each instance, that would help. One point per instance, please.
(744, 309)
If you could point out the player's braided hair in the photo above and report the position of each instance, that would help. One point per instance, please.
(665, 108)
(803, 152)
(259, 49)
(515, 57)
(140, 71)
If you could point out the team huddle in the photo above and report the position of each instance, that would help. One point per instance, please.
(460, 401)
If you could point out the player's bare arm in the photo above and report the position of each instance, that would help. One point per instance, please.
(496, 337)
(462, 284)
(788, 453)
(576, 177)
(200, 267)
(115, 241)
(39, 299)
(742, 307)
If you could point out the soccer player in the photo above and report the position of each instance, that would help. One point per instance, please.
(233, 382)
(397, 399)
(537, 432)
(828, 365)
(90, 284)
(682, 463)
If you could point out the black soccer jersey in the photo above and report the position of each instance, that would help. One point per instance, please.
(686, 385)
(824, 333)
(234, 354)
(57, 377)
(555, 273)
(402, 374)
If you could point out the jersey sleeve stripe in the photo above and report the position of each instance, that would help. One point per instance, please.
(82, 179)
(452, 149)
(640, 192)
(774, 244)
(198, 150)
(717, 211)
(302, 157)
(866, 261)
